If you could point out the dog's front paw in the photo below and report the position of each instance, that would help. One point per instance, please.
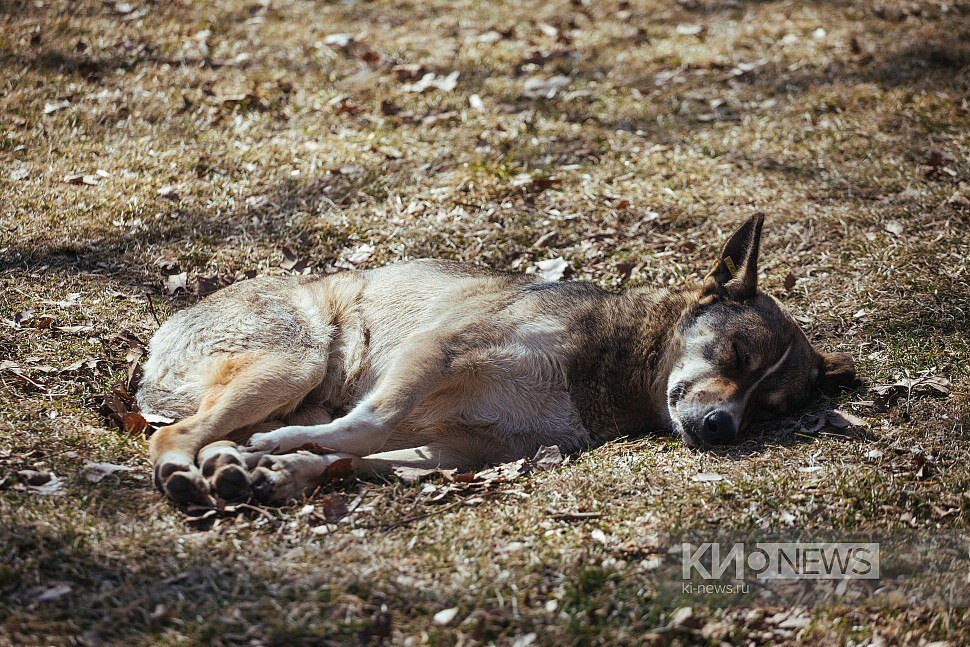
(266, 442)
(181, 481)
(283, 441)
(225, 468)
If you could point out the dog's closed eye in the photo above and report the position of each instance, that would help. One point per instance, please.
(740, 357)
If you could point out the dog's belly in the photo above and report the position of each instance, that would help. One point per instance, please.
(514, 400)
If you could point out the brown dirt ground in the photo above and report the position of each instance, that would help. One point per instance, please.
(847, 122)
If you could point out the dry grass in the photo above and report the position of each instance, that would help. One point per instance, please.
(848, 123)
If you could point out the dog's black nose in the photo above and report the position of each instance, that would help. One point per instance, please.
(719, 426)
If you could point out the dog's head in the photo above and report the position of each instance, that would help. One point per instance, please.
(744, 357)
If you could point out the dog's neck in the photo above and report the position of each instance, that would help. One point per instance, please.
(624, 387)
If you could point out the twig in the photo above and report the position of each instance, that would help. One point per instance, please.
(406, 520)
(574, 516)
(151, 309)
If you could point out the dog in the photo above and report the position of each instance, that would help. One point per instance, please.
(438, 364)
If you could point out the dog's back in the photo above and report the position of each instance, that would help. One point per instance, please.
(367, 315)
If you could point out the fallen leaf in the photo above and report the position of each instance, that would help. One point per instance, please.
(46, 483)
(910, 388)
(476, 103)
(290, 261)
(789, 282)
(361, 255)
(934, 158)
(797, 622)
(121, 409)
(706, 477)
(651, 563)
(746, 69)
(89, 364)
(51, 108)
(408, 72)
(20, 174)
(547, 458)
(156, 420)
(334, 507)
(96, 472)
(432, 80)
(545, 239)
(175, 282)
(168, 192)
(14, 369)
(540, 88)
(873, 454)
(134, 423)
(445, 616)
(843, 419)
(552, 269)
(682, 617)
(339, 41)
(691, 30)
(55, 592)
(371, 57)
(35, 477)
(894, 227)
(89, 180)
(413, 475)
(502, 473)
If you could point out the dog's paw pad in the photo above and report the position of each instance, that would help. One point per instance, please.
(231, 482)
(266, 486)
(211, 459)
(169, 465)
(276, 481)
(187, 486)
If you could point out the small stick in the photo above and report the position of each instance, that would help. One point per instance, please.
(151, 309)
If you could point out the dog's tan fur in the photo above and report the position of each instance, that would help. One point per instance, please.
(432, 363)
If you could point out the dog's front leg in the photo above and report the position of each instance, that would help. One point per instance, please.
(362, 431)
(414, 375)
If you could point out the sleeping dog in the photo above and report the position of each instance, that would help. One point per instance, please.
(439, 364)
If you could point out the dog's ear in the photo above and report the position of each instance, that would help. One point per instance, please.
(735, 272)
(836, 371)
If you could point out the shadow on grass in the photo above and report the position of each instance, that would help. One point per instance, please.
(137, 593)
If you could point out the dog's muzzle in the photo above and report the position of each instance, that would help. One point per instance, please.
(717, 427)
(720, 427)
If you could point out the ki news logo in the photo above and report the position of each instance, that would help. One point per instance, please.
(781, 561)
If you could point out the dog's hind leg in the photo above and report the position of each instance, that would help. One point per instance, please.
(239, 391)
